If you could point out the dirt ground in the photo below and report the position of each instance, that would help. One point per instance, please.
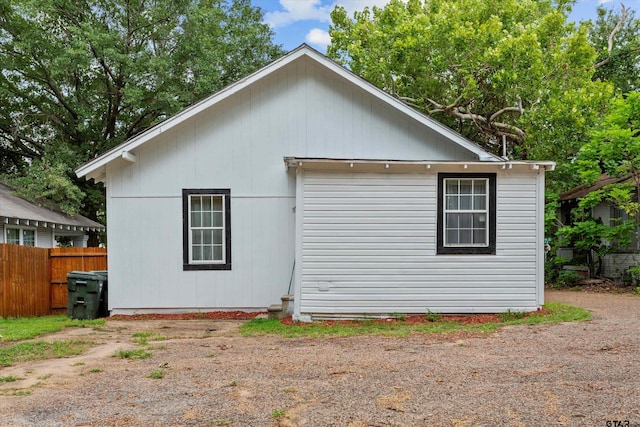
(582, 374)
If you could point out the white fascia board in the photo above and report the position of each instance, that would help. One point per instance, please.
(88, 168)
(299, 162)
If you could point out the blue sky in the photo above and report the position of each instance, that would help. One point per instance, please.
(307, 21)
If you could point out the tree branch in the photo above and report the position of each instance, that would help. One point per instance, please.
(623, 17)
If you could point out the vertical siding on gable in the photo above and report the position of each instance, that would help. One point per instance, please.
(369, 246)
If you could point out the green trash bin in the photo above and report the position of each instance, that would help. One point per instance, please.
(103, 310)
(85, 291)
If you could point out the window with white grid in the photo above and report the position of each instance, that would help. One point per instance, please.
(207, 231)
(466, 213)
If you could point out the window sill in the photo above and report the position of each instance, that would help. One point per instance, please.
(196, 267)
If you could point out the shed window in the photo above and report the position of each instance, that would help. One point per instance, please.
(21, 236)
(207, 229)
(466, 213)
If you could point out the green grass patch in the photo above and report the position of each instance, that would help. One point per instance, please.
(143, 338)
(157, 374)
(133, 354)
(38, 350)
(8, 379)
(24, 328)
(555, 312)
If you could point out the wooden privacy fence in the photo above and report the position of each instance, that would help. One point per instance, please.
(33, 281)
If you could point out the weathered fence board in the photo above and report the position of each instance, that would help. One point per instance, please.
(24, 281)
(33, 281)
(64, 260)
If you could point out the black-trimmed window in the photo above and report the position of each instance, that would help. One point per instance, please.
(466, 213)
(206, 217)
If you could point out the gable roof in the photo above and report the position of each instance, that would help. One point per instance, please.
(96, 168)
(16, 210)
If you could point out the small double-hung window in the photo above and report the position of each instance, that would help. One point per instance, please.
(466, 213)
(207, 229)
(21, 236)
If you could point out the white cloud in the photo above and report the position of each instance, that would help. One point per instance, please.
(314, 10)
(318, 38)
(298, 10)
(604, 1)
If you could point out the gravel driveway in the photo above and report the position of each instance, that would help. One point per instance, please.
(581, 374)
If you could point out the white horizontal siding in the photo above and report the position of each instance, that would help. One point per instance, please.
(369, 247)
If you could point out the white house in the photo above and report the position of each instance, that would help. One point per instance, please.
(29, 224)
(304, 178)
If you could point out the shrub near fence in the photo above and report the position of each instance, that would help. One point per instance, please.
(33, 281)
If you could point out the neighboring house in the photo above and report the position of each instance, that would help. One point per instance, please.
(24, 223)
(304, 178)
(614, 265)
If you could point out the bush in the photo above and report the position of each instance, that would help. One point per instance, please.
(566, 279)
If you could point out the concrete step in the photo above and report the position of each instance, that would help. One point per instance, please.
(275, 311)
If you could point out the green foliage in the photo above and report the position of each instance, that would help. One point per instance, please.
(557, 313)
(621, 65)
(510, 315)
(566, 279)
(614, 149)
(133, 354)
(79, 78)
(37, 350)
(398, 316)
(487, 69)
(8, 379)
(23, 328)
(157, 374)
(432, 317)
(277, 413)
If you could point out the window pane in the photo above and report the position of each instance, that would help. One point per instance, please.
(452, 237)
(466, 186)
(206, 203)
(217, 253)
(479, 202)
(197, 253)
(217, 236)
(479, 221)
(465, 203)
(465, 237)
(217, 203)
(207, 237)
(29, 238)
(480, 186)
(196, 237)
(452, 202)
(452, 221)
(207, 253)
(217, 219)
(196, 219)
(480, 237)
(13, 235)
(452, 186)
(195, 203)
(207, 219)
(465, 220)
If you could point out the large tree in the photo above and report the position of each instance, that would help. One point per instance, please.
(514, 69)
(81, 76)
(616, 38)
